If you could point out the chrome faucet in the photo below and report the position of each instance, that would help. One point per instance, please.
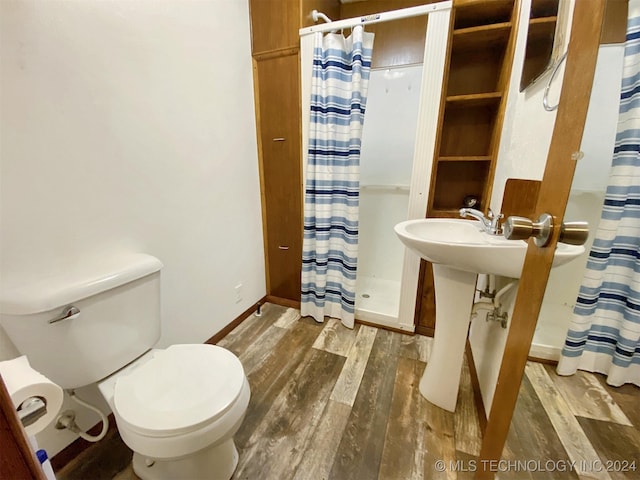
(490, 223)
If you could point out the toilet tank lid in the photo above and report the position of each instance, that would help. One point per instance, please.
(75, 283)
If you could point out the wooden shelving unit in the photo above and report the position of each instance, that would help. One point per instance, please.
(476, 85)
(487, 35)
(470, 13)
(471, 120)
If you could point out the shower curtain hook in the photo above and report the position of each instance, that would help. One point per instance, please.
(349, 28)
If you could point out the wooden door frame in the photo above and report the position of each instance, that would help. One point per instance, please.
(554, 193)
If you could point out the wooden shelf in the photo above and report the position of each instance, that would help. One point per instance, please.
(467, 130)
(445, 213)
(474, 99)
(458, 179)
(466, 158)
(544, 8)
(481, 37)
(478, 72)
(543, 20)
(469, 13)
(477, 57)
(541, 28)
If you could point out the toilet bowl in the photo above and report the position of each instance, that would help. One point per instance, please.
(178, 410)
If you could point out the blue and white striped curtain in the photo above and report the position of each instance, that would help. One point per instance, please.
(341, 68)
(604, 335)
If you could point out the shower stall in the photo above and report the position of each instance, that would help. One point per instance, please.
(398, 141)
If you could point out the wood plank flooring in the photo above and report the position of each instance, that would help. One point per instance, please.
(332, 403)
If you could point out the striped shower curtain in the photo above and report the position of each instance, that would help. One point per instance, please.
(341, 68)
(604, 335)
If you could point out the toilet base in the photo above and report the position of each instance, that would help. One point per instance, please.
(217, 462)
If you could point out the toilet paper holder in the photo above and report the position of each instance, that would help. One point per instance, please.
(31, 410)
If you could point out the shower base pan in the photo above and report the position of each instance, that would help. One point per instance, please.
(378, 300)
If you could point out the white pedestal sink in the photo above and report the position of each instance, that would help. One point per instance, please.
(459, 251)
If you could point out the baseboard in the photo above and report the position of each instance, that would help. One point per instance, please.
(384, 327)
(425, 331)
(542, 360)
(283, 302)
(234, 323)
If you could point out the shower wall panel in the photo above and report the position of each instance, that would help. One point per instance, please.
(379, 253)
(386, 164)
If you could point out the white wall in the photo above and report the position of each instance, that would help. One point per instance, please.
(598, 140)
(527, 127)
(129, 126)
(388, 141)
(523, 152)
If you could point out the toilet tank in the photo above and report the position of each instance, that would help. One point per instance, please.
(118, 299)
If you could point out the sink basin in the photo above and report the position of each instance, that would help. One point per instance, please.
(463, 245)
(459, 250)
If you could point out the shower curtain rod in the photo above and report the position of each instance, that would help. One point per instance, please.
(377, 17)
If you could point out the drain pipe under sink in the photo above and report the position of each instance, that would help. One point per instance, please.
(494, 303)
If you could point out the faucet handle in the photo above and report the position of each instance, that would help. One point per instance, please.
(493, 216)
(495, 222)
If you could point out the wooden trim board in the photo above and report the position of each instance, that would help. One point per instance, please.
(520, 197)
(383, 327)
(614, 25)
(283, 302)
(263, 202)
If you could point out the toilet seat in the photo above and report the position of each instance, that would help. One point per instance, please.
(181, 389)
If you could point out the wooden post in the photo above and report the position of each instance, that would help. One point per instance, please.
(554, 192)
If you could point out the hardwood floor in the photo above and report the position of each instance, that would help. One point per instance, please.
(332, 403)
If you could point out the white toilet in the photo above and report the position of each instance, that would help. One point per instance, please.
(177, 409)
